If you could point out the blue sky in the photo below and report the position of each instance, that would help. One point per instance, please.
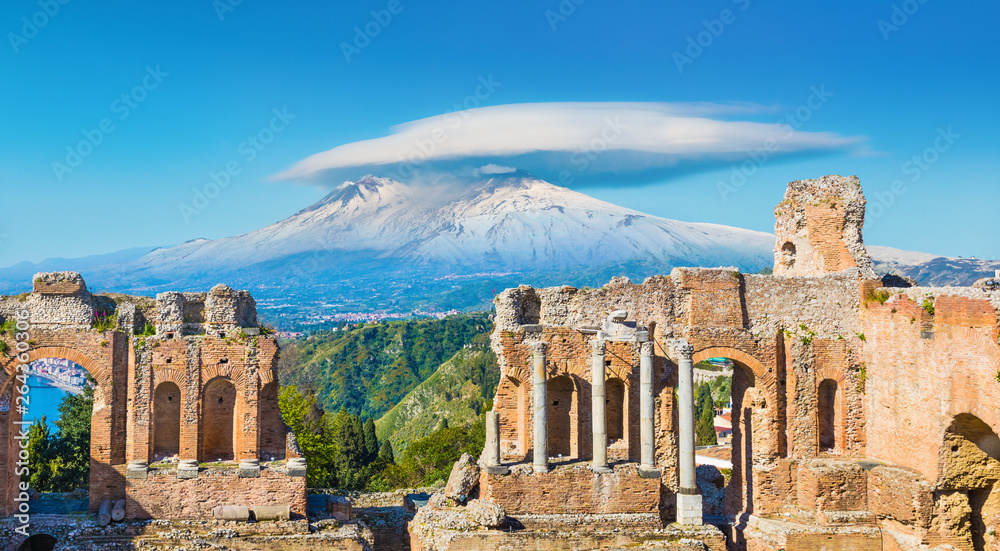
(198, 85)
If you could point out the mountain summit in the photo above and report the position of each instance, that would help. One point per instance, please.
(512, 222)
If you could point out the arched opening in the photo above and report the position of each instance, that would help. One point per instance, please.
(723, 377)
(616, 417)
(561, 395)
(218, 407)
(59, 411)
(828, 408)
(966, 500)
(166, 421)
(788, 254)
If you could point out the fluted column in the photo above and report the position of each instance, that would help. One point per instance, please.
(688, 498)
(539, 394)
(647, 461)
(598, 406)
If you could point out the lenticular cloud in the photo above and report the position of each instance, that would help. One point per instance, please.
(582, 139)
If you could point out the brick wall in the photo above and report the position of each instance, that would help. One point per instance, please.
(569, 490)
(132, 418)
(163, 495)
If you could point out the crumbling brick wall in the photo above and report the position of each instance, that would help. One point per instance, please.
(200, 337)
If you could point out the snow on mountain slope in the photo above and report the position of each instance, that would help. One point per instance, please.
(510, 221)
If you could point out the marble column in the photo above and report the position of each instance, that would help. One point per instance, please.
(647, 438)
(599, 407)
(492, 451)
(539, 394)
(688, 498)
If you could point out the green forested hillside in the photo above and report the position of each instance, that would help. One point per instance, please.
(454, 396)
(368, 370)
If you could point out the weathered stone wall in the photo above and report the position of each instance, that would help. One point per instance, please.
(818, 228)
(200, 339)
(573, 491)
(163, 495)
(853, 405)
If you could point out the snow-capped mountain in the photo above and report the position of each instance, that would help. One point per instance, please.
(510, 222)
(379, 244)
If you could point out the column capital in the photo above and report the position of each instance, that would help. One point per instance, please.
(599, 346)
(646, 348)
(538, 347)
(682, 349)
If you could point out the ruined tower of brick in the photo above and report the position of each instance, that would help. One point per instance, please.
(818, 228)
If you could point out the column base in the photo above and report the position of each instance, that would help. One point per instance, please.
(649, 472)
(497, 469)
(540, 468)
(601, 469)
(689, 509)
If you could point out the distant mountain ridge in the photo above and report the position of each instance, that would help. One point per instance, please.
(379, 244)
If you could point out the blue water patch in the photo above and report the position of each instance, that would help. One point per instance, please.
(43, 399)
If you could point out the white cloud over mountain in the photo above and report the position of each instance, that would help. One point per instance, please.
(578, 139)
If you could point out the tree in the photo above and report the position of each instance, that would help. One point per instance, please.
(385, 453)
(305, 419)
(72, 444)
(705, 426)
(349, 460)
(371, 442)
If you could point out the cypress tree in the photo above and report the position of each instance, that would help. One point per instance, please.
(385, 455)
(705, 428)
(371, 441)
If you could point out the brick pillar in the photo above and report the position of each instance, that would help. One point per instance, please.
(598, 406)
(539, 394)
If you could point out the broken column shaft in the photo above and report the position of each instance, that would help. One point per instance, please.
(540, 398)
(688, 499)
(598, 406)
(647, 459)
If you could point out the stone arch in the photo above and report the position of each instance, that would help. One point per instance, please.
(756, 367)
(752, 383)
(99, 372)
(218, 421)
(107, 420)
(166, 420)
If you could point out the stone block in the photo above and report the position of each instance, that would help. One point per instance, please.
(689, 509)
(463, 480)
